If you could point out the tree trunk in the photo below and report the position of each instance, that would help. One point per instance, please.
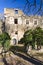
(37, 47)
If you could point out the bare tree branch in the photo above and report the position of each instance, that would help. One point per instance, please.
(31, 6)
(34, 6)
(39, 7)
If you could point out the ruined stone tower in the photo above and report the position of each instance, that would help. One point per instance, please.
(16, 23)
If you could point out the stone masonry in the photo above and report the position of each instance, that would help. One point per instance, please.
(16, 23)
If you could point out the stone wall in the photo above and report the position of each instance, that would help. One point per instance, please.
(1, 26)
(23, 23)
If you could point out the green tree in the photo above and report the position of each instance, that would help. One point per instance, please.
(38, 36)
(33, 37)
(5, 41)
(27, 38)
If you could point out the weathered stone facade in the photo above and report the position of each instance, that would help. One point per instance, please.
(1, 26)
(16, 23)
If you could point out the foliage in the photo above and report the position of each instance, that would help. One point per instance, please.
(38, 35)
(33, 37)
(28, 36)
(4, 40)
(7, 45)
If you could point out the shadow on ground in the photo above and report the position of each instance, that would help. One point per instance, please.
(29, 58)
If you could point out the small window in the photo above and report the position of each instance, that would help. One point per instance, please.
(35, 22)
(16, 11)
(27, 21)
(16, 32)
(15, 21)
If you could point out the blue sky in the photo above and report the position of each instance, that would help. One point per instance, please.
(17, 4)
(11, 4)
